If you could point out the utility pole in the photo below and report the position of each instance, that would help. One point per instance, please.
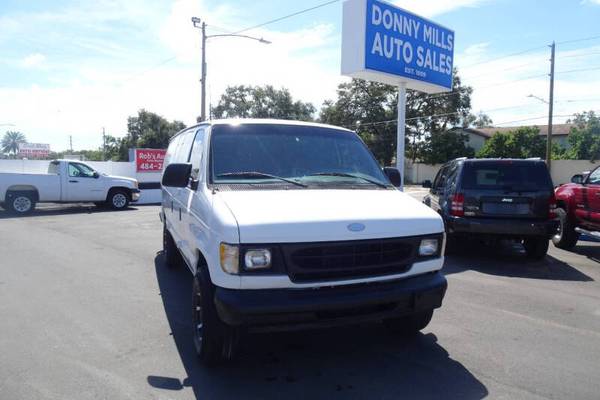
(103, 144)
(550, 109)
(71, 143)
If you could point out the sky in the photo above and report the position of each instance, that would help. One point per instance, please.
(72, 68)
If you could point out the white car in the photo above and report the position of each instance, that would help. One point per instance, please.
(67, 181)
(292, 225)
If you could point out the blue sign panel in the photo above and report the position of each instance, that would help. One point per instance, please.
(403, 44)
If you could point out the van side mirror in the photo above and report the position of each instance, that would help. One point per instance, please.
(426, 184)
(393, 175)
(578, 178)
(176, 175)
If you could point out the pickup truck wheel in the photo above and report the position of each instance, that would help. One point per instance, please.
(118, 199)
(20, 202)
(214, 340)
(536, 248)
(565, 238)
(409, 325)
(172, 256)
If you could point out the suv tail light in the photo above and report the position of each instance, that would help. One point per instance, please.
(457, 206)
(552, 207)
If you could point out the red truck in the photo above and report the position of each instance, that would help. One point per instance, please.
(578, 209)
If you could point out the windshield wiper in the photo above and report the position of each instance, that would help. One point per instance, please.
(345, 175)
(256, 174)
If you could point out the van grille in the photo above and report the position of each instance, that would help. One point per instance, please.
(309, 262)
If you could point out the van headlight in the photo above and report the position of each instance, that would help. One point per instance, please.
(257, 259)
(429, 247)
(230, 258)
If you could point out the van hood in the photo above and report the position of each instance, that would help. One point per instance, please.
(278, 216)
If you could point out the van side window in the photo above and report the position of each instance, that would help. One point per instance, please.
(172, 149)
(197, 151)
(182, 155)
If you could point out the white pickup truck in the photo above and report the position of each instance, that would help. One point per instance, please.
(67, 181)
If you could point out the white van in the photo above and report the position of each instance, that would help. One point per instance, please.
(293, 225)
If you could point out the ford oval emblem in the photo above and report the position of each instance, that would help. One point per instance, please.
(356, 227)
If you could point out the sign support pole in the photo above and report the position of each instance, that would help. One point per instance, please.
(401, 132)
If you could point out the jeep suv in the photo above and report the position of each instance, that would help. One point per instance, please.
(289, 225)
(496, 199)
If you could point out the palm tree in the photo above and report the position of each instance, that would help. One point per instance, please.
(11, 140)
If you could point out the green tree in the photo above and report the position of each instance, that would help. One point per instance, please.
(584, 138)
(479, 120)
(146, 130)
(370, 109)
(524, 142)
(445, 146)
(261, 102)
(11, 141)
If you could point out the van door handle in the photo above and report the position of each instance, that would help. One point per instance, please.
(73, 181)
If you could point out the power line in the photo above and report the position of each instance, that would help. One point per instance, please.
(288, 16)
(579, 40)
(505, 56)
(578, 70)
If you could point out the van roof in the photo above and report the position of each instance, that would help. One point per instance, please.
(255, 121)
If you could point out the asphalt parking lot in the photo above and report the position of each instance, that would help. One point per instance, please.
(88, 311)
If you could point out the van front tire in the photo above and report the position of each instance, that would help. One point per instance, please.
(214, 340)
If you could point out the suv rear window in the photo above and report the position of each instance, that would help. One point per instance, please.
(506, 175)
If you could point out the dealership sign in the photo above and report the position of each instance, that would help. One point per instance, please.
(149, 160)
(384, 43)
(34, 150)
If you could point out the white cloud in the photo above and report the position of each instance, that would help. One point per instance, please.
(33, 60)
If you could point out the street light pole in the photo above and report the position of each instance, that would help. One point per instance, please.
(203, 79)
(202, 25)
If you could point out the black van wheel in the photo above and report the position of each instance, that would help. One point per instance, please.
(536, 248)
(565, 238)
(214, 340)
(172, 256)
(410, 324)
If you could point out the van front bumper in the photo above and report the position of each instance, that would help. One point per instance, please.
(306, 308)
(502, 227)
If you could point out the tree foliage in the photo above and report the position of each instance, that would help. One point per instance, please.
(10, 142)
(445, 146)
(370, 109)
(262, 102)
(523, 142)
(584, 138)
(479, 120)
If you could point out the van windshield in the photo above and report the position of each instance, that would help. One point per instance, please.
(506, 175)
(268, 153)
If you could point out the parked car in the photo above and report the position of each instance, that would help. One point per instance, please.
(578, 209)
(496, 199)
(67, 181)
(290, 225)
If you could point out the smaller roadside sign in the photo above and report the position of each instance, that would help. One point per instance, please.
(149, 160)
(34, 150)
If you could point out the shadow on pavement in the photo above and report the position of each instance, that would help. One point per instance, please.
(350, 362)
(61, 209)
(508, 259)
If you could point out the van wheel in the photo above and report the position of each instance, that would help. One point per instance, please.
(172, 256)
(118, 199)
(536, 248)
(214, 340)
(409, 325)
(565, 238)
(20, 202)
